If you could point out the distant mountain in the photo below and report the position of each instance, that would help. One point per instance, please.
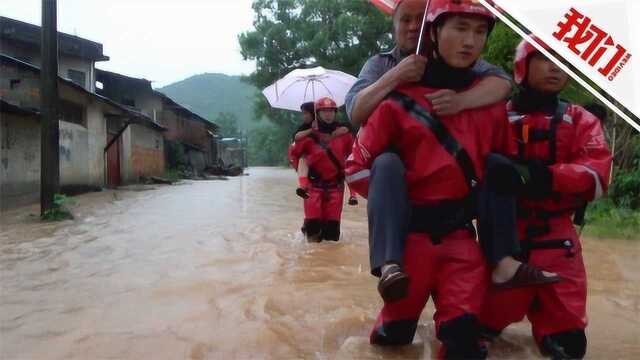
(210, 94)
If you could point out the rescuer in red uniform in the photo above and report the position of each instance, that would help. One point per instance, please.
(325, 155)
(444, 160)
(562, 163)
(308, 118)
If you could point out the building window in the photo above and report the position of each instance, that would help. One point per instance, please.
(72, 113)
(13, 83)
(77, 77)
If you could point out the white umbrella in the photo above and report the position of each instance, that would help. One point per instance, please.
(304, 85)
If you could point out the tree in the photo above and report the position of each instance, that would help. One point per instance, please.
(268, 146)
(228, 123)
(291, 34)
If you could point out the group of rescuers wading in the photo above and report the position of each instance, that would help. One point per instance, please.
(439, 147)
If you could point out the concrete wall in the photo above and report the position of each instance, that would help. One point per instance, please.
(97, 133)
(147, 152)
(19, 160)
(31, 55)
(73, 63)
(74, 154)
(28, 54)
(126, 170)
(151, 105)
(25, 92)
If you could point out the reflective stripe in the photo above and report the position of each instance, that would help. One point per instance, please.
(567, 118)
(358, 176)
(599, 191)
(515, 117)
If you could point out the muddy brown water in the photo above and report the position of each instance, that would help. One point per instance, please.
(218, 270)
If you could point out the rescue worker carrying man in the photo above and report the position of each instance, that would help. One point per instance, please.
(388, 208)
(564, 161)
(308, 117)
(444, 160)
(325, 156)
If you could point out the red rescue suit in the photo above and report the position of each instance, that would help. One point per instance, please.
(323, 207)
(452, 270)
(580, 172)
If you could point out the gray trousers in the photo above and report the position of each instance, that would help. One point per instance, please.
(388, 210)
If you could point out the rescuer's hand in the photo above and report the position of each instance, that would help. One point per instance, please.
(340, 131)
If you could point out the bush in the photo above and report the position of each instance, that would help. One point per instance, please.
(605, 219)
(176, 157)
(59, 211)
(625, 189)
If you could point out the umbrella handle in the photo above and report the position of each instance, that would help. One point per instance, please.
(422, 26)
(315, 112)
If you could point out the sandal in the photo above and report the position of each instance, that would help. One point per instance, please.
(302, 192)
(393, 284)
(527, 275)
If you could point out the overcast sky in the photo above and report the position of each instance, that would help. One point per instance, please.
(160, 40)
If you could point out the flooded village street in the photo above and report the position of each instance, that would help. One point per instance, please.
(220, 270)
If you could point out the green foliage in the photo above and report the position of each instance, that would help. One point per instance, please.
(625, 189)
(228, 123)
(176, 157)
(211, 94)
(173, 175)
(291, 34)
(268, 146)
(59, 211)
(606, 220)
(500, 47)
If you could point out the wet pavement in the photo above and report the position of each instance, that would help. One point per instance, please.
(219, 269)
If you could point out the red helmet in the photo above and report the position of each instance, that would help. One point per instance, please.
(521, 60)
(326, 103)
(471, 7)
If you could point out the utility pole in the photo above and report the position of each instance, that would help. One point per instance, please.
(49, 126)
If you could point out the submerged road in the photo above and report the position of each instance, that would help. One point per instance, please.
(219, 270)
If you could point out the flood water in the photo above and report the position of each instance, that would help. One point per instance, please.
(219, 270)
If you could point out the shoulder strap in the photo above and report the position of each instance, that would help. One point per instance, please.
(444, 137)
(330, 154)
(561, 109)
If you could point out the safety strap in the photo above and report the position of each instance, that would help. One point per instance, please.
(553, 129)
(444, 137)
(528, 246)
(535, 135)
(443, 218)
(330, 154)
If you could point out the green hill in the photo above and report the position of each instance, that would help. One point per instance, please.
(211, 94)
